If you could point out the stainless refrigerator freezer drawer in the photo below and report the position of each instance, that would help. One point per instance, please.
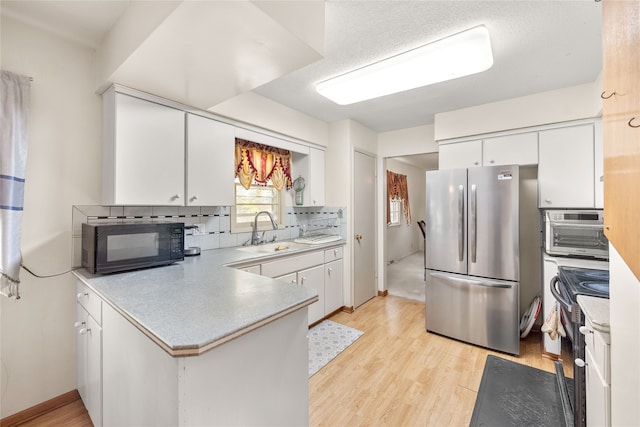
(479, 311)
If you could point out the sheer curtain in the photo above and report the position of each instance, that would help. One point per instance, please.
(14, 116)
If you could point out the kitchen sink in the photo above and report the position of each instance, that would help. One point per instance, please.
(274, 247)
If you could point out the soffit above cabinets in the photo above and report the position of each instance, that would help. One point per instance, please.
(202, 53)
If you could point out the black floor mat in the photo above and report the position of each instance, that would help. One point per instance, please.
(512, 394)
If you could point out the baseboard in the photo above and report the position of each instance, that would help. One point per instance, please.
(383, 293)
(348, 309)
(40, 409)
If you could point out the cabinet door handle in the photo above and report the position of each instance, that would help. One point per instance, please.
(329, 270)
(83, 331)
(633, 126)
(80, 295)
(175, 197)
(580, 363)
(78, 324)
(302, 279)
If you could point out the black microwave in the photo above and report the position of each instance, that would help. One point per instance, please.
(110, 248)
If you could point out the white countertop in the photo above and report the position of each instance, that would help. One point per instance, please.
(597, 310)
(194, 305)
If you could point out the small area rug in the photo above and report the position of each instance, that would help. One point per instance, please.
(512, 394)
(326, 340)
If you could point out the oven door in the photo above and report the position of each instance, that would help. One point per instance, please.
(578, 239)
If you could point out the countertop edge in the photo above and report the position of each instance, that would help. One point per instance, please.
(198, 349)
(597, 310)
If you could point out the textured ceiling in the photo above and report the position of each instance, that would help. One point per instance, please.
(538, 46)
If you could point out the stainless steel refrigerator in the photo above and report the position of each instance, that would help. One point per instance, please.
(472, 256)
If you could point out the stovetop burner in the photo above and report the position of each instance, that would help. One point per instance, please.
(584, 281)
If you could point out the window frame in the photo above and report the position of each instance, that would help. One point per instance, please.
(263, 221)
(396, 207)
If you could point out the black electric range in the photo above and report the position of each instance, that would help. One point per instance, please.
(566, 286)
(584, 281)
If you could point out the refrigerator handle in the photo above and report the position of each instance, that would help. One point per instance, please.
(461, 223)
(486, 283)
(473, 222)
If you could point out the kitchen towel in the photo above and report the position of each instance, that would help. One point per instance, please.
(553, 324)
(14, 116)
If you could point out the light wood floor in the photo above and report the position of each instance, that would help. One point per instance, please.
(396, 374)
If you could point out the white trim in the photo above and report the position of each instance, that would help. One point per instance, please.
(519, 130)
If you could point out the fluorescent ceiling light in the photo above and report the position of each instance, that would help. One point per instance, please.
(459, 55)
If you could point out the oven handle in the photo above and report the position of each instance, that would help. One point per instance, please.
(557, 295)
(575, 225)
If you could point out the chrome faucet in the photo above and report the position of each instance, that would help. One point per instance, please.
(254, 234)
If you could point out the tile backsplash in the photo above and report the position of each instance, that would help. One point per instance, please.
(214, 223)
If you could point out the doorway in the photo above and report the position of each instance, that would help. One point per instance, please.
(404, 242)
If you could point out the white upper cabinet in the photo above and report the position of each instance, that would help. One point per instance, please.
(143, 157)
(460, 155)
(315, 188)
(518, 149)
(159, 153)
(566, 169)
(210, 153)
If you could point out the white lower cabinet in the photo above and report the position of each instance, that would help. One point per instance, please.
(259, 378)
(597, 375)
(332, 286)
(313, 278)
(320, 270)
(89, 352)
(598, 394)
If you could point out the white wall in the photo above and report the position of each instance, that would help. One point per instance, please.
(260, 111)
(624, 302)
(63, 169)
(572, 103)
(344, 137)
(405, 239)
(530, 239)
(404, 142)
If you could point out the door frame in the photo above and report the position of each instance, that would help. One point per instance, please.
(376, 220)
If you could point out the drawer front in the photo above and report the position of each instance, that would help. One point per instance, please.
(90, 301)
(333, 254)
(289, 278)
(289, 265)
